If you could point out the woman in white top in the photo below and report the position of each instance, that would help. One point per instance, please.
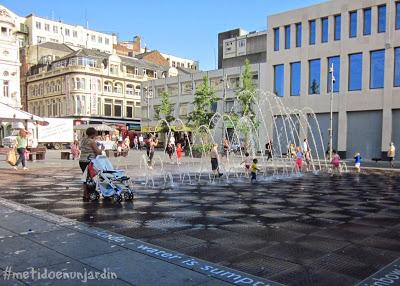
(391, 153)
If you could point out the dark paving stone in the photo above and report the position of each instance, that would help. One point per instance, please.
(292, 252)
(306, 276)
(258, 264)
(212, 252)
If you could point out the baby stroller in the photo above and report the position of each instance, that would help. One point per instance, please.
(106, 181)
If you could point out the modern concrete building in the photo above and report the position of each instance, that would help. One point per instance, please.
(235, 50)
(225, 82)
(362, 41)
(89, 86)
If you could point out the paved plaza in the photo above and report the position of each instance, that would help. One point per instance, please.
(309, 230)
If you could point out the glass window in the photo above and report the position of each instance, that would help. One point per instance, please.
(353, 24)
(55, 29)
(314, 79)
(287, 37)
(295, 78)
(278, 80)
(355, 72)
(276, 40)
(129, 111)
(338, 27)
(377, 70)
(397, 67)
(397, 24)
(46, 27)
(324, 30)
(336, 73)
(118, 108)
(67, 32)
(382, 19)
(367, 22)
(38, 25)
(312, 32)
(298, 35)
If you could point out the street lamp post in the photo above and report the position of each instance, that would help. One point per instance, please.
(147, 95)
(331, 70)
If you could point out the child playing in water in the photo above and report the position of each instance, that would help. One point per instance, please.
(247, 161)
(335, 161)
(299, 159)
(254, 170)
(357, 162)
(178, 153)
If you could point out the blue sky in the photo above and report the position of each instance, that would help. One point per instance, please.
(186, 28)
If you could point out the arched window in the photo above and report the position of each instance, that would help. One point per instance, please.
(47, 88)
(36, 90)
(118, 87)
(72, 83)
(83, 84)
(78, 83)
(41, 89)
(129, 89)
(107, 86)
(98, 85)
(52, 86)
(58, 86)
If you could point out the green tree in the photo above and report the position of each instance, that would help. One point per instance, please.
(164, 111)
(246, 98)
(204, 99)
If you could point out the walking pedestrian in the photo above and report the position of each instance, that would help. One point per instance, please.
(89, 151)
(135, 143)
(21, 144)
(246, 161)
(153, 142)
(391, 154)
(299, 159)
(141, 142)
(335, 161)
(357, 162)
(75, 150)
(254, 170)
(268, 150)
(169, 150)
(226, 147)
(305, 146)
(214, 160)
(178, 153)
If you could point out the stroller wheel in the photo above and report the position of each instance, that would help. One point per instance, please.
(94, 196)
(128, 196)
(116, 198)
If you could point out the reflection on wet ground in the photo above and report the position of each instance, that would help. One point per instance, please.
(312, 230)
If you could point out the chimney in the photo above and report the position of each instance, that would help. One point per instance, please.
(136, 44)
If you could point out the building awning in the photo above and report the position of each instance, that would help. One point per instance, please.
(11, 114)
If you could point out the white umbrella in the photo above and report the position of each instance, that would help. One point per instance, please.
(11, 114)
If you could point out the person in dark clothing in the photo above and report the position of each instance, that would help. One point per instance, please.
(268, 150)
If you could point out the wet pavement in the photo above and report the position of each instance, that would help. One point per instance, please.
(314, 230)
